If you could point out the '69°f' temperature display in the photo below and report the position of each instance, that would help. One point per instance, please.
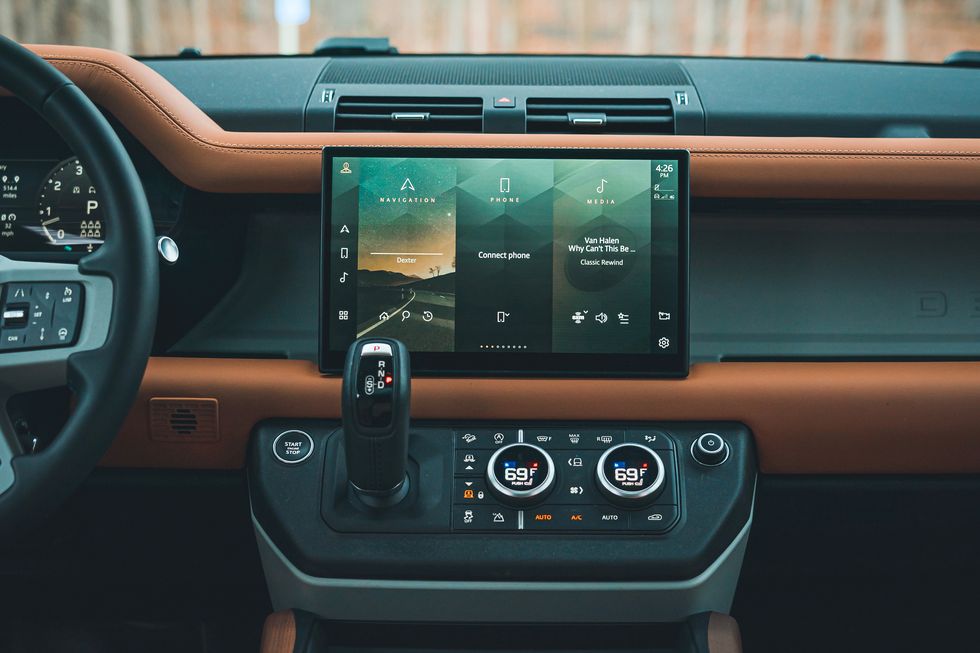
(520, 470)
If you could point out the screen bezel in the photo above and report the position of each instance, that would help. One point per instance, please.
(538, 364)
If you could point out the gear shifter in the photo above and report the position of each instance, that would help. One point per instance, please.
(375, 408)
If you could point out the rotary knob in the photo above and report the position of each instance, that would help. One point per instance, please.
(710, 449)
(630, 475)
(520, 474)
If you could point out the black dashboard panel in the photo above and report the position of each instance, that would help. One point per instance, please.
(246, 93)
(770, 280)
(751, 97)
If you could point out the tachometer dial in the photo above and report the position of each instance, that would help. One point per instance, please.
(69, 209)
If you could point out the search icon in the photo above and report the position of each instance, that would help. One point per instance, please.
(406, 315)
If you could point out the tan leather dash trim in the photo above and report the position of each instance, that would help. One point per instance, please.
(202, 154)
(808, 418)
(279, 633)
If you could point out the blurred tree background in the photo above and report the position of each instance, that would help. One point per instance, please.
(918, 30)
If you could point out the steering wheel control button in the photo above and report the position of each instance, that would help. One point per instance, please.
(521, 474)
(40, 315)
(659, 519)
(15, 315)
(471, 462)
(484, 438)
(710, 450)
(630, 475)
(485, 518)
(470, 491)
(573, 438)
(292, 447)
(652, 438)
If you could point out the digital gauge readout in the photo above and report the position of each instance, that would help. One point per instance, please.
(520, 471)
(69, 210)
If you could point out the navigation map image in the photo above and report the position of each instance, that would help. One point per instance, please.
(406, 268)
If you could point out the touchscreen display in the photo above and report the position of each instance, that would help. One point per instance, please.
(504, 261)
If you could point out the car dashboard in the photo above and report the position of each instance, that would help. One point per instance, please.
(825, 334)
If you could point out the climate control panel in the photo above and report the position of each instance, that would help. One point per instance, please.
(552, 479)
(527, 500)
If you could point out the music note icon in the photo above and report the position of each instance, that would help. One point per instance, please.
(343, 278)
(602, 186)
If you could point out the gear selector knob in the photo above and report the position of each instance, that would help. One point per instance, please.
(375, 409)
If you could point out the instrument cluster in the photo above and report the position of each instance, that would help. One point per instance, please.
(49, 206)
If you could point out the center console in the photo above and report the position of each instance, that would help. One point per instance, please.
(646, 522)
(501, 263)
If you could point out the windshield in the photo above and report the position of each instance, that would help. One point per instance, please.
(895, 30)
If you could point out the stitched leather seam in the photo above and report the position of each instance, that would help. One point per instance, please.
(168, 114)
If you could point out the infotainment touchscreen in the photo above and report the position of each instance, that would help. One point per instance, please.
(492, 261)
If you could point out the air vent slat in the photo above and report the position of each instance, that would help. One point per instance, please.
(621, 116)
(399, 114)
(386, 107)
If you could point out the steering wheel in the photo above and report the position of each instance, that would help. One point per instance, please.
(114, 291)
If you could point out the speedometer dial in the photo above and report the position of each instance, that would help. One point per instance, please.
(69, 209)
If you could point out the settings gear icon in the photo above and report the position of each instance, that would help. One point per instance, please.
(664, 343)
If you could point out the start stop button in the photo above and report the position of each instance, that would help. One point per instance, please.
(292, 447)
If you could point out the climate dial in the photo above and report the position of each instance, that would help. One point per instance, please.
(630, 475)
(520, 474)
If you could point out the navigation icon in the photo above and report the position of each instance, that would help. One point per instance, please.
(344, 229)
(407, 184)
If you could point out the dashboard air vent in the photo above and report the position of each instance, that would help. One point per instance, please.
(600, 115)
(409, 114)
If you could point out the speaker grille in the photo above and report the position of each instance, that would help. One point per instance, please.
(183, 419)
(505, 71)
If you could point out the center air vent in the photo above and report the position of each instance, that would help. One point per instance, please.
(600, 116)
(409, 114)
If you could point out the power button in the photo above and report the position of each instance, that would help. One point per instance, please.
(292, 447)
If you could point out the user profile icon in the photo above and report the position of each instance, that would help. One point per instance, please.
(345, 168)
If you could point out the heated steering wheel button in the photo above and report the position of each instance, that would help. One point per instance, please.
(292, 447)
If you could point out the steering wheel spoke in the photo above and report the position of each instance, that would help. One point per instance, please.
(50, 311)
